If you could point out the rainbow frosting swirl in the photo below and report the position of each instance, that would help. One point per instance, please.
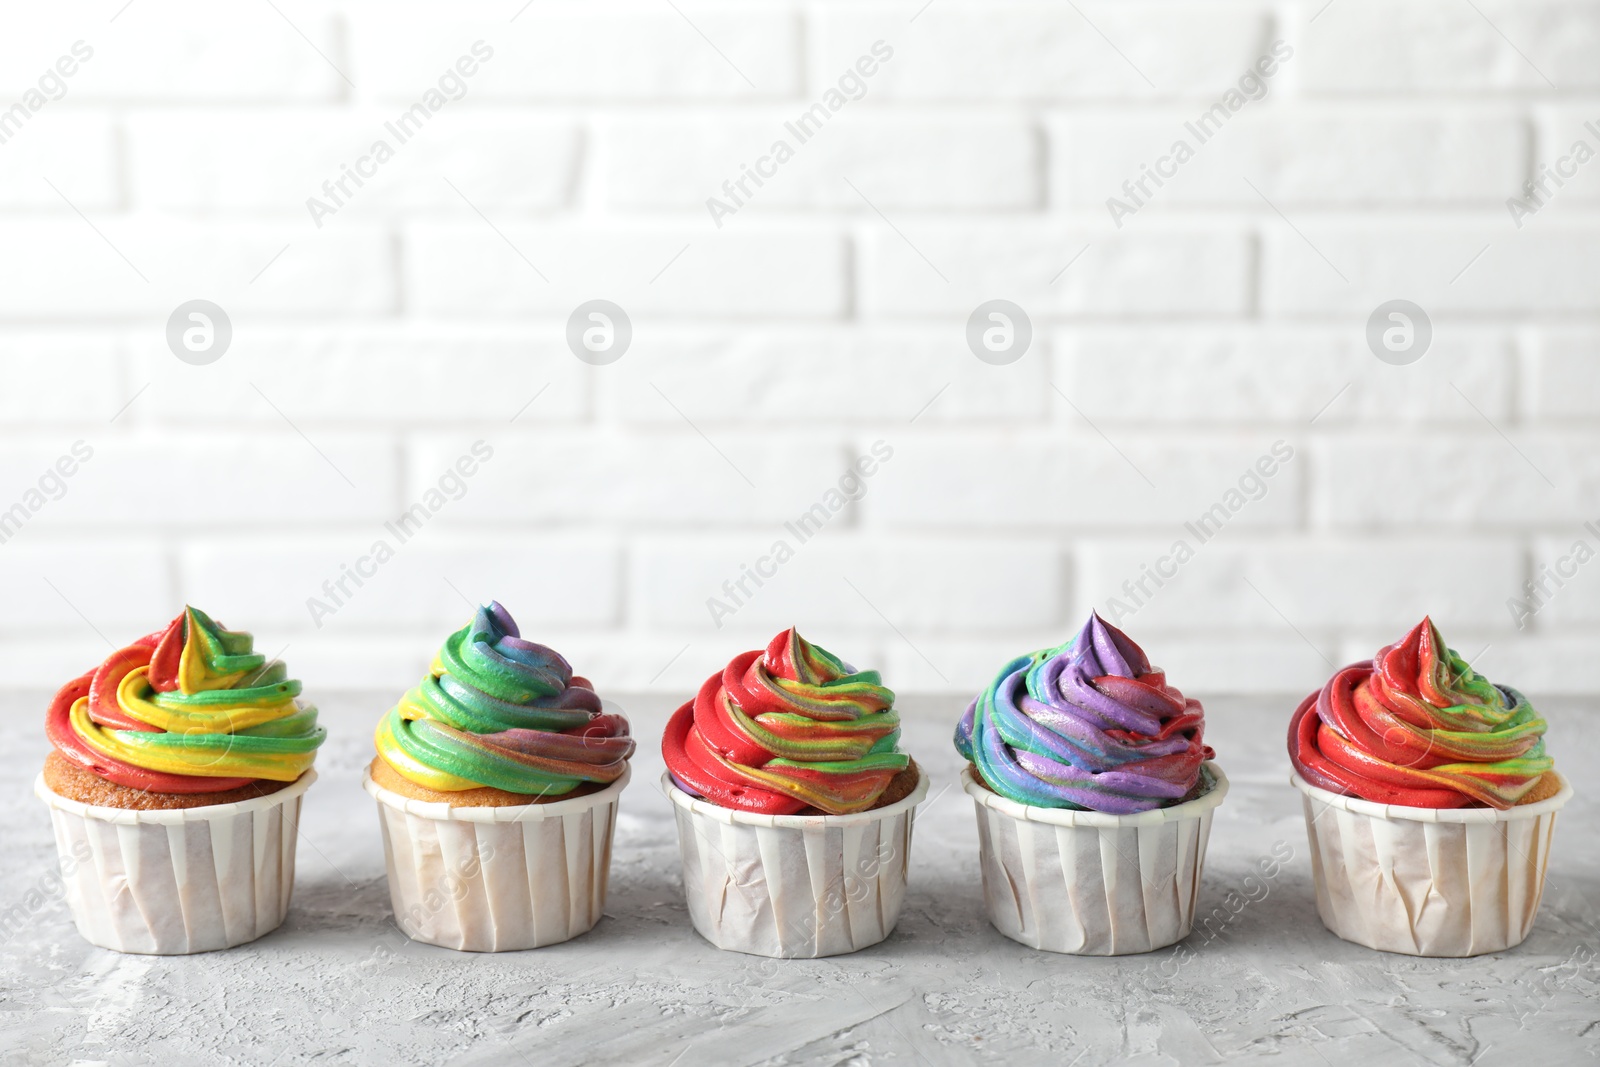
(785, 729)
(1416, 726)
(1088, 725)
(189, 709)
(498, 711)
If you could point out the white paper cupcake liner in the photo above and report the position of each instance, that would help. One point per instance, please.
(175, 881)
(794, 886)
(1428, 881)
(497, 879)
(1089, 883)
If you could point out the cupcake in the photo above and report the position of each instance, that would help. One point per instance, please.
(497, 781)
(1444, 802)
(1094, 797)
(794, 803)
(174, 787)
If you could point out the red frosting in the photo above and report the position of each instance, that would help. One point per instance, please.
(785, 729)
(1417, 727)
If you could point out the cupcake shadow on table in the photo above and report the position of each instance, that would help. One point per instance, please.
(793, 803)
(498, 780)
(1430, 803)
(175, 786)
(1094, 795)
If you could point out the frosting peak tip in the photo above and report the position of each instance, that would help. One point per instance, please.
(1109, 650)
(498, 613)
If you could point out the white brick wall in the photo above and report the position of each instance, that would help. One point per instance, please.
(826, 314)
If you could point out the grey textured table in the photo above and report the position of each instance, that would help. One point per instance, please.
(338, 984)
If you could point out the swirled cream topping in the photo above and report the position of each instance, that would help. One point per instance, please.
(787, 728)
(1417, 726)
(189, 709)
(1087, 725)
(500, 711)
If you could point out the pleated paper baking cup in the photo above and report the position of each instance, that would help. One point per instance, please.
(497, 879)
(1089, 883)
(1428, 881)
(176, 881)
(794, 886)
